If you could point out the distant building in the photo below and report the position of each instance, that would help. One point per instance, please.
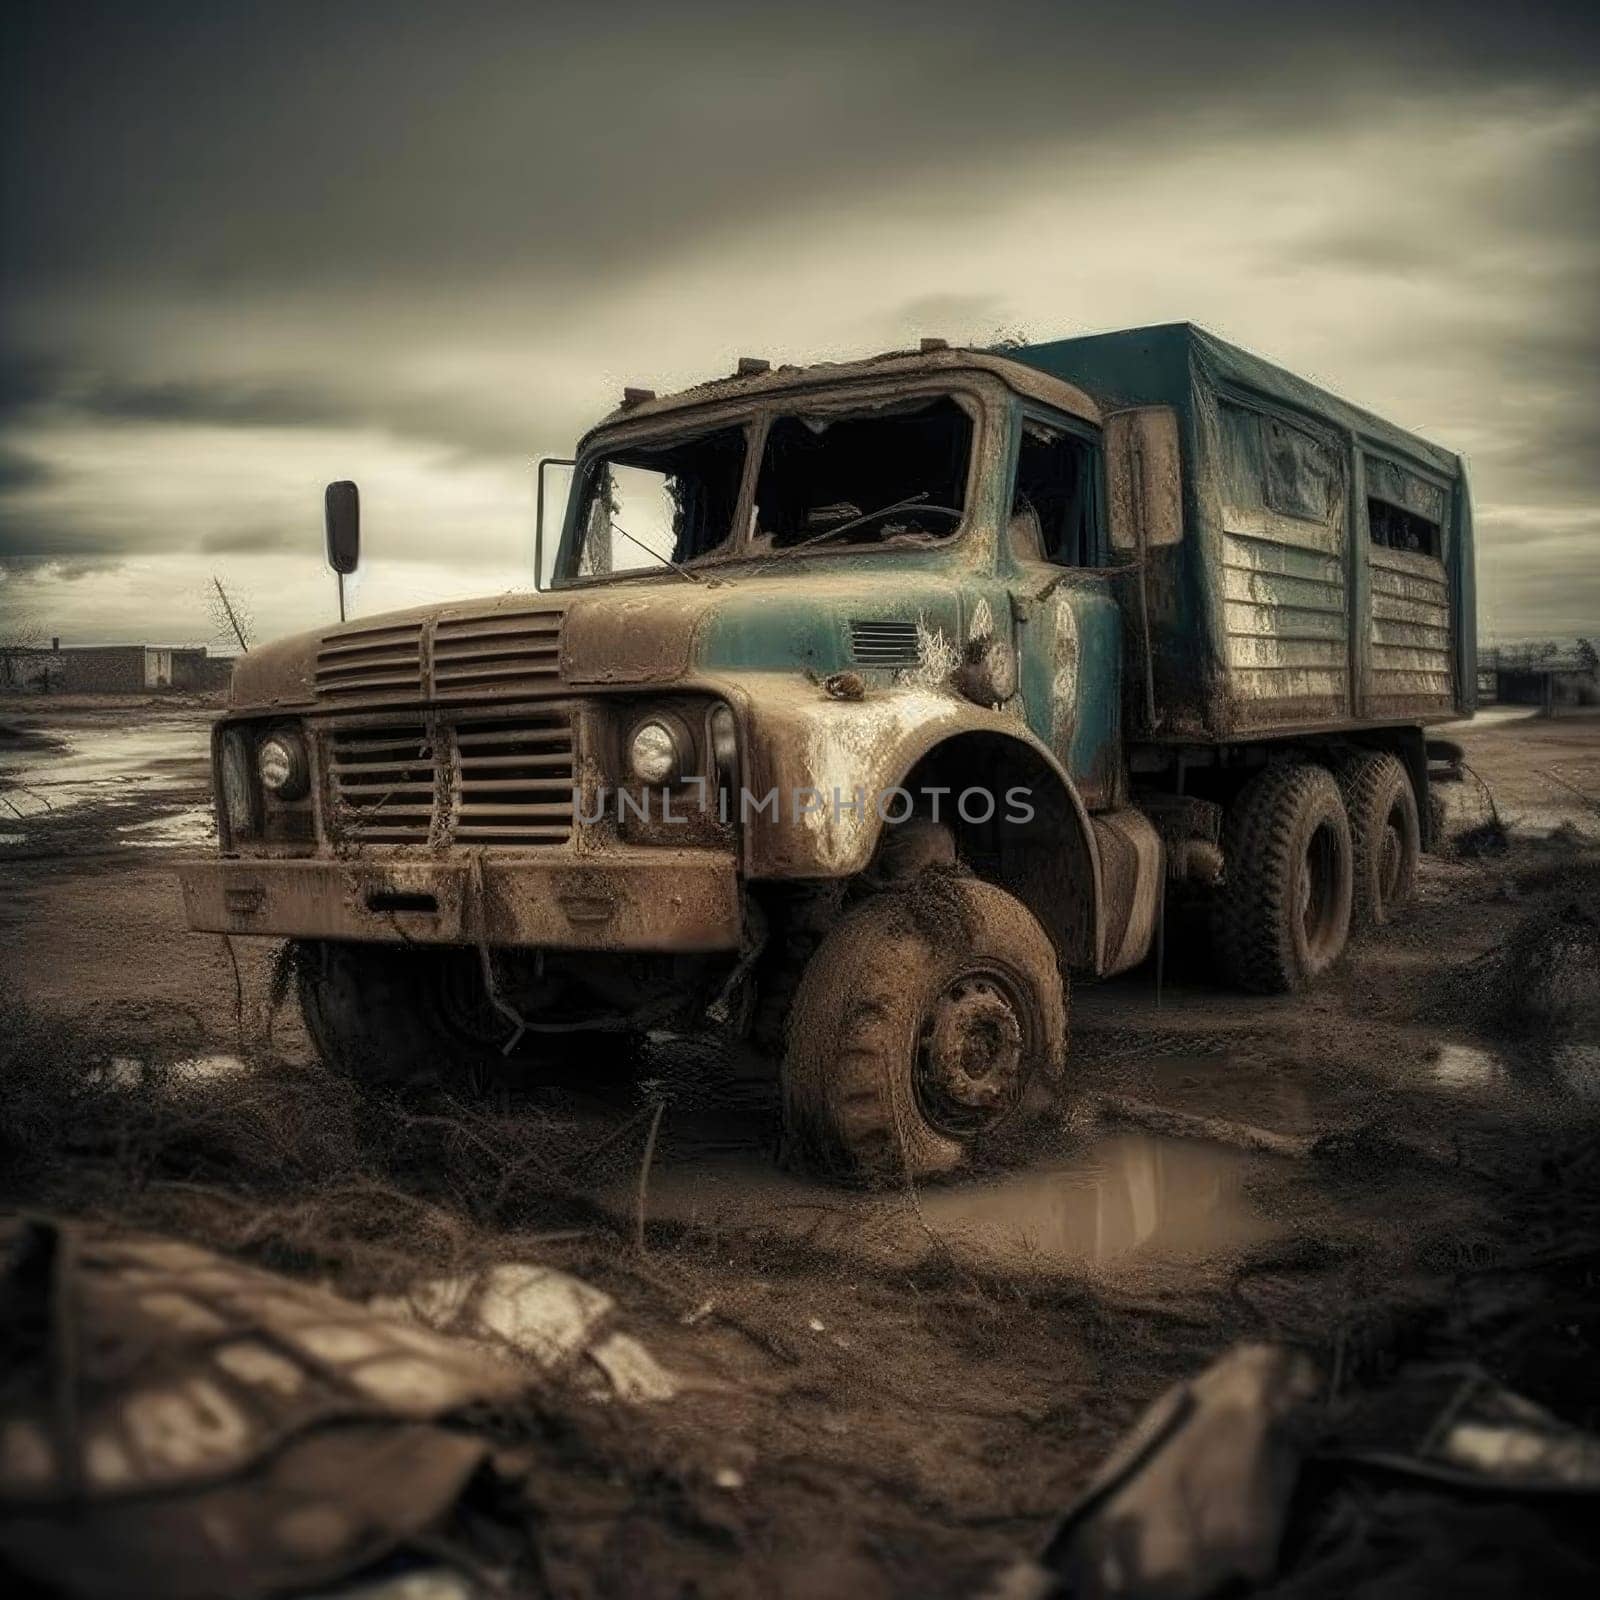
(116, 669)
(1522, 677)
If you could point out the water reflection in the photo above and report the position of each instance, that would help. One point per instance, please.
(1126, 1194)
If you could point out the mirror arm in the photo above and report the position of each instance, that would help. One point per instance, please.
(538, 514)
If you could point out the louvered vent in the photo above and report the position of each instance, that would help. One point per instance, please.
(516, 780)
(509, 653)
(888, 643)
(382, 782)
(371, 663)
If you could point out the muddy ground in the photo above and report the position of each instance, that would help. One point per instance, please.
(883, 1394)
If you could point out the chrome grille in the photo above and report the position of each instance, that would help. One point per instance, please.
(383, 783)
(516, 780)
(510, 652)
(890, 642)
(368, 663)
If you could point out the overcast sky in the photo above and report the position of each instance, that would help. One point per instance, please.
(247, 248)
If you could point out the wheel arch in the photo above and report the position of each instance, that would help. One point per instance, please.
(1051, 861)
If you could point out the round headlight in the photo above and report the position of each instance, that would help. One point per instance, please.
(281, 764)
(654, 755)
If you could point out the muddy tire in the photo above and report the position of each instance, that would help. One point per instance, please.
(396, 1018)
(922, 1023)
(1385, 836)
(1282, 914)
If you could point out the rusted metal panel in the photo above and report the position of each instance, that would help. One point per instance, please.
(514, 651)
(1131, 864)
(656, 899)
(1410, 646)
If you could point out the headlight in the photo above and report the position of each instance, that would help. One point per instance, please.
(655, 752)
(281, 762)
(238, 785)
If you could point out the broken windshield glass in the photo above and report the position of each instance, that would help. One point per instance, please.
(657, 505)
(875, 478)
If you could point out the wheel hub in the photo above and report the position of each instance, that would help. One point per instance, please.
(970, 1056)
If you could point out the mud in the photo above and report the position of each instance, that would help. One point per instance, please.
(878, 1394)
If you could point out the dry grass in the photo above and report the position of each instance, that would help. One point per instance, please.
(291, 1166)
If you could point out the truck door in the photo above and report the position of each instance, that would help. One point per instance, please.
(1069, 624)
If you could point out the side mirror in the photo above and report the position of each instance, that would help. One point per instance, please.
(341, 508)
(1145, 476)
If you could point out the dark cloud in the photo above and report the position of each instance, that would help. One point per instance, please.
(48, 539)
(21, 471)
(358, 220)
(249, 539)
(302, 143)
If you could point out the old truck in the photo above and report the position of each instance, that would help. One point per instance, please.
(862, 706)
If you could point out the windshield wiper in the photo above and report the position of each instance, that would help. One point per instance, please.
(666, 561)
(855, 522)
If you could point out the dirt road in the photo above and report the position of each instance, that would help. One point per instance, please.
(887, 1393)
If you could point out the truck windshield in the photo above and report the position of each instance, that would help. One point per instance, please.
(888, 475)
(654, 506)
(892, 474)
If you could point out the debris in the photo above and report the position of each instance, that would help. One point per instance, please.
(1489, 1434)
(698, 1315)
(176, 1423)
(1195, 1497)
(845, 686)
(1219, 1130)
(728, 1478)
(539, 1313)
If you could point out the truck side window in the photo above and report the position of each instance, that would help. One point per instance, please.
(1055, 489)
(1405, 511)
(1395, 528)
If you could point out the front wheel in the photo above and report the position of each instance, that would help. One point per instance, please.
(918, 1027)
(1282, 915)
(397, 1016)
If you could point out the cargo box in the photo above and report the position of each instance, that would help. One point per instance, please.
(1324, 576)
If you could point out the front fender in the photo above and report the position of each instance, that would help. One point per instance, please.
(817, 752)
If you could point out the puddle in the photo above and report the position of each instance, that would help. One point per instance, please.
(1467, 1066)
(1574, 1068)
(88, 762)
(128, 1072)
(195, 825)
(63, 769)
(1130, 1193)
(1127, 1195)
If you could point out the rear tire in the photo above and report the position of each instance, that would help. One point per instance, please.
(919, 1026)
(392, 1017)
(1282, 914)
(1385, 835)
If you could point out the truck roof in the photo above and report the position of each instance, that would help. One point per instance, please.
(1024, 378)
(1179, 364)
(1165, 364)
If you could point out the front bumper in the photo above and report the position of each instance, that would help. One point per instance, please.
(664, 900)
